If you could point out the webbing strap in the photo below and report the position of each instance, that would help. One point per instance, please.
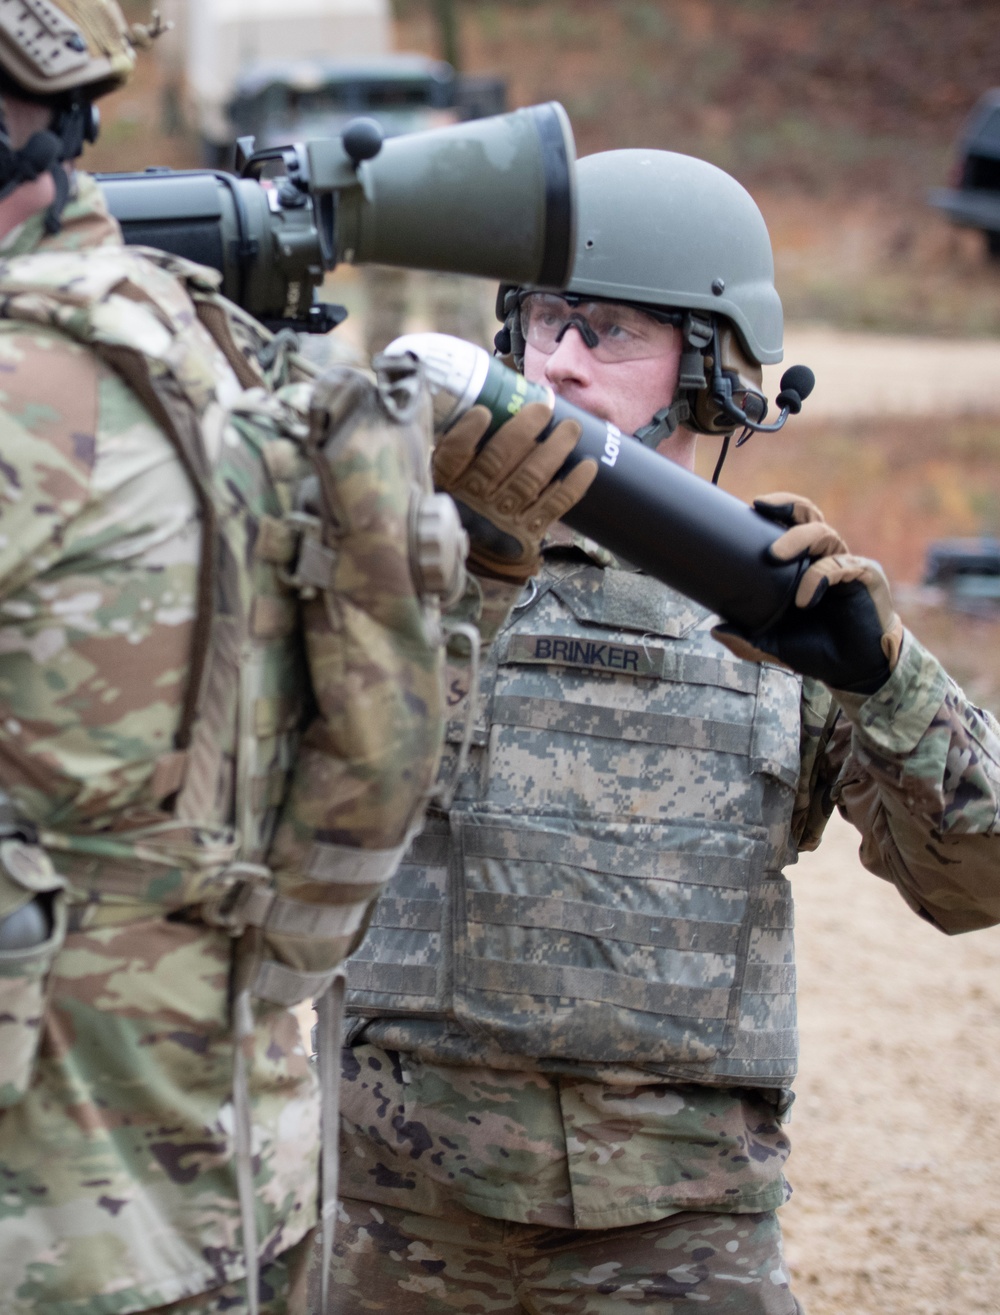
(445, 793)
(329, 1022)
(165, 399)
(350, 866)
(289, 917)
(620, 724)
(280, 985)
(243, 1031)
(569, 982)
(646, 853)
(371, 975)
(769, 979)
(254, 904)
(699, 936)
(777, 1046)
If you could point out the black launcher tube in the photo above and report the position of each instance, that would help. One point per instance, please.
(665, 520)
(681, 529)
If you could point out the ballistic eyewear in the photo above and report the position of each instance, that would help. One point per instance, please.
(612, 331)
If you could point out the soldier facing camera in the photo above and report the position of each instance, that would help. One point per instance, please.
(572, 1034)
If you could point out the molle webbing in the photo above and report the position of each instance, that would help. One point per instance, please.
(352, 879)
(606, 888)
(612, 724)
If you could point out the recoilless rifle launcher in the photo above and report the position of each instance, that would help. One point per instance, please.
(494, 198)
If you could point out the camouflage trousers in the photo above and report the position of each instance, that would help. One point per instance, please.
(388, 1260)
(282, 1288)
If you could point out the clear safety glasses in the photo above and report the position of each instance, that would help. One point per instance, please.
(613, 332)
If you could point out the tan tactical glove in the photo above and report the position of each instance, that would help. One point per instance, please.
(842, 628)
(506, 488)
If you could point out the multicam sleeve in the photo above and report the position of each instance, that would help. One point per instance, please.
(919, 776)
(820, 764)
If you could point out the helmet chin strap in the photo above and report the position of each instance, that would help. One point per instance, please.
(697, 332)
(664, 422)
(45, 152)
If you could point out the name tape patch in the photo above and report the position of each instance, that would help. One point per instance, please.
(570, 651)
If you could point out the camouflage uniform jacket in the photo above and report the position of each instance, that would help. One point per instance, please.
(117, 1159)
(437, 1115)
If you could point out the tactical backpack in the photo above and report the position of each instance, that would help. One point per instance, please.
(313, 715)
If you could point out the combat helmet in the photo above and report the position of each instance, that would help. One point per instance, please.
(65, 53)
(682, 239)
(52, 46)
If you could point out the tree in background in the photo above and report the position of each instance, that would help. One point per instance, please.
(446, 13)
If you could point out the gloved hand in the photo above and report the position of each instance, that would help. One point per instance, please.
(842, 628)
(506, 492)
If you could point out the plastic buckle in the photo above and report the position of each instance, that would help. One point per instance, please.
(313, 562)
(242, 904)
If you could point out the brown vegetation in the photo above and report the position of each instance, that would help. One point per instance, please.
(756, 85)
(838, 118)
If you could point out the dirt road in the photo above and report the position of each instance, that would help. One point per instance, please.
(896, 1159)
(862, 373)
(896, 1208)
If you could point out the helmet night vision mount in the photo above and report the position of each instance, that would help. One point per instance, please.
(494, 197)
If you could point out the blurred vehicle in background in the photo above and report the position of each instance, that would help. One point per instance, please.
(281, 101)
(973, 199)
(967, 571)
(214, 41)
(283, 71)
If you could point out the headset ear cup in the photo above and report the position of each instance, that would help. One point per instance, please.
(503, 304)
(746, 375)
(517, 343)
(509, 341)
(755, 405)
(746, 379)
(707, 415)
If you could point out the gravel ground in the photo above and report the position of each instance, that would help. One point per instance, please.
(896, 1143)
